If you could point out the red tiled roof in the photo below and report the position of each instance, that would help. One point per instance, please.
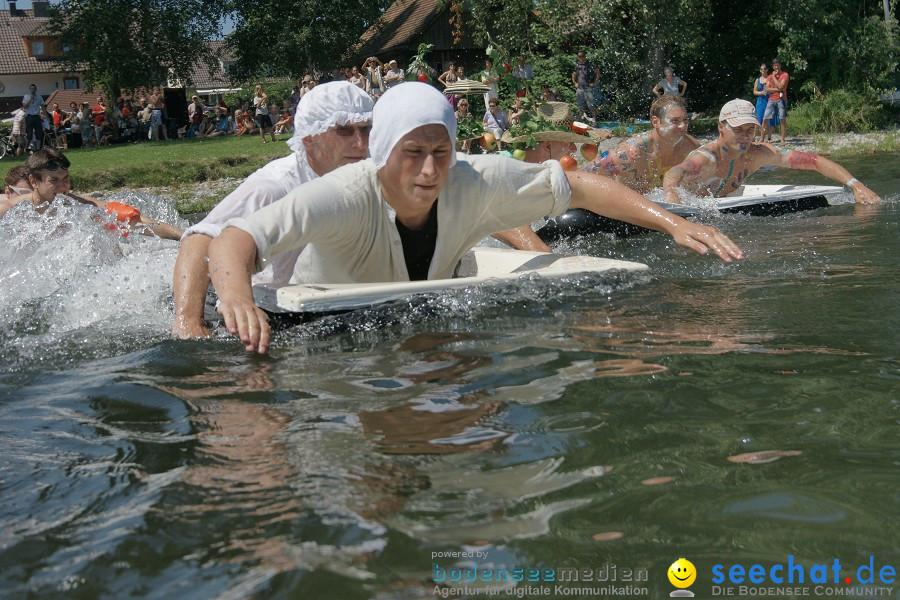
(13, 58)
(65, 97)
(397, 27)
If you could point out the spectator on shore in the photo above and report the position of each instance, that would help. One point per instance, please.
(87, 126)
(585, 77)
(524, 73)
(18, 131)
(720, 167)
(449, 77)
(547, 94)
(261, 108)
(494, 120)
(32, 103)
(777, 86)
(491, 78)
(157, 124)
(670, 85)
(374, 77)
(285, 123)
(394, 76)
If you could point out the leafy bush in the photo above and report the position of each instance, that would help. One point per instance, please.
(837, 111)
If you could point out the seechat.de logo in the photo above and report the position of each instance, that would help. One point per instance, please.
(682, 574)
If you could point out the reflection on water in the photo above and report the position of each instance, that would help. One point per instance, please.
(541, 424)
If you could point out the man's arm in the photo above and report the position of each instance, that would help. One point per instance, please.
(596, 76)
(689, 168)
(612, 199)
(807, 161)
(522, 238)
(191, 280)
(574, 79)
(232, 255)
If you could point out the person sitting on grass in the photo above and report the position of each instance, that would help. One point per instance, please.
(641, 161)
(285, 123)
(47, 171)
(719, 168)
(413, 210)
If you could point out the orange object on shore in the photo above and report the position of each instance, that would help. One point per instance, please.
(127, 216)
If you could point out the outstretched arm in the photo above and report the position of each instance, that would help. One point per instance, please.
(689, 168)
(231, 257)
(612, 199)
(807, 161)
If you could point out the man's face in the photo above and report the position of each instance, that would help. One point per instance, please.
(339, 146)
(417, 169)
(47, 184)
(737, 138)
(581, 57)
(18, 188)
(776, 68)
(32, 89)
(673, 124)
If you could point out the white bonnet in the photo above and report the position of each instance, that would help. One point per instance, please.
(403, 108)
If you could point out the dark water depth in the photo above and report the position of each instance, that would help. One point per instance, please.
(723, 413)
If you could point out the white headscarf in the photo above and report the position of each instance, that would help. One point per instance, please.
(323, 107)
(404, 108)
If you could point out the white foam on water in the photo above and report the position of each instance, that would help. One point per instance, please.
(61, 272)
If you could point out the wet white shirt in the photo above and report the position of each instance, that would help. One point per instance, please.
(263, 187)
(349, 233)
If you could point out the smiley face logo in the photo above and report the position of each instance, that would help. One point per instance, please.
(682, 573)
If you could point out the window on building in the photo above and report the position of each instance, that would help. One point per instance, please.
(70, 83)
(37, 48)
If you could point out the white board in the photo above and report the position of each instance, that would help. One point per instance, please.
(754, 195)
(479, 266)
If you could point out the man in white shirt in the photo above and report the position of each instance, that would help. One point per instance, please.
(32, 103)
(331, 129)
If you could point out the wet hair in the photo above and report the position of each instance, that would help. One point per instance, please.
(46, 159)
(15, 174)
(661, 106)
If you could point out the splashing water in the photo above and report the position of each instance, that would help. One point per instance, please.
(64, 276)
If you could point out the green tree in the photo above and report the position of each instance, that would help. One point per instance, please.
(277, 38)
(120, 44)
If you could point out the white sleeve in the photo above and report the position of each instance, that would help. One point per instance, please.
(249, 197)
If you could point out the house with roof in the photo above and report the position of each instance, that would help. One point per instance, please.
(408, 23)
(28, 55)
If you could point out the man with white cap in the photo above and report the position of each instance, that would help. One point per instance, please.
(394, 76)
(413, 210)
(331, 129)
(721, 167)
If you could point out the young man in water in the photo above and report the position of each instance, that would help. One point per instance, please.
(47, 171)
(720, 167)
(16, 189)
(641, 161)
(413, 210)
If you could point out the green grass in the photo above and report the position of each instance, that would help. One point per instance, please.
(174, 164)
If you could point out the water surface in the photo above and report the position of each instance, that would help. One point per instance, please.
(580, 423)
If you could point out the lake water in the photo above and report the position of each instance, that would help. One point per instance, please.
(585, 423)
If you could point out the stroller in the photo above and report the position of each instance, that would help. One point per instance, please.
(7, 146)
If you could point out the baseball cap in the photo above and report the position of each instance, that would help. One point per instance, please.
(738, 112)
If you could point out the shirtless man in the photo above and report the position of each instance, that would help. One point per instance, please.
(720, 167)
(16, 189)
(47, 173)
(641, 161)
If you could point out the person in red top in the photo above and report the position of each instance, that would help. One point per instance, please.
(777, 85)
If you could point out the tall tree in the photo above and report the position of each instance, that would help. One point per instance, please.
(273, 37)
(131, 43)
